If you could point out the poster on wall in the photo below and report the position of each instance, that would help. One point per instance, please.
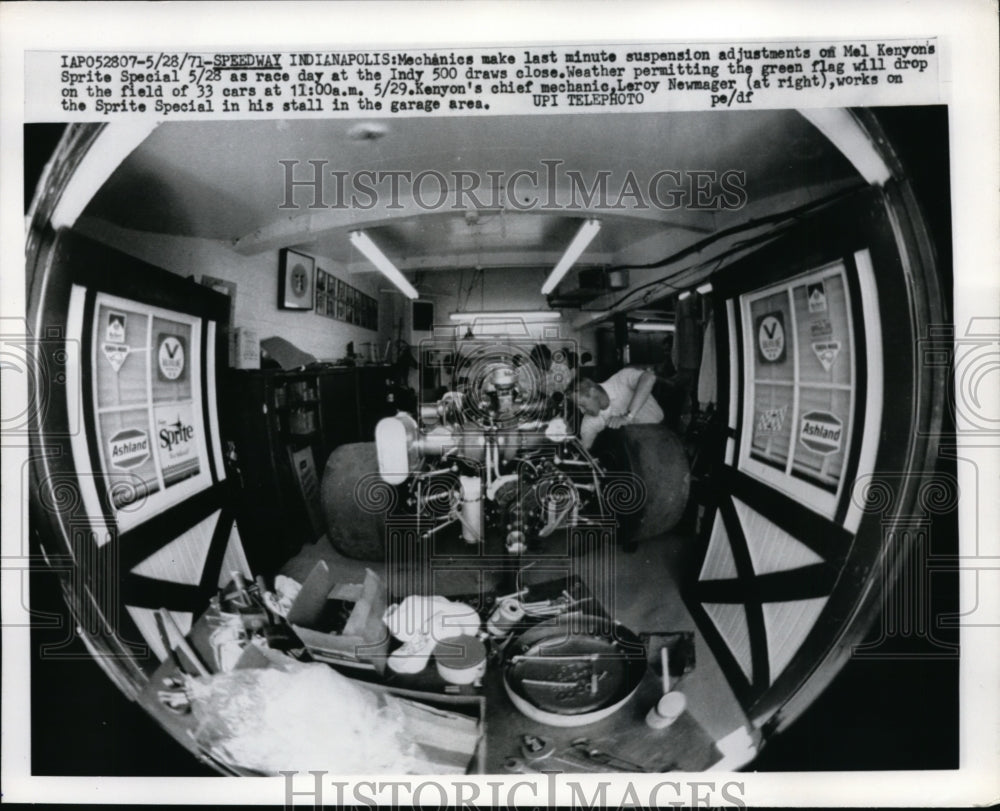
(147, 406)
(801, 383)
(337, 299)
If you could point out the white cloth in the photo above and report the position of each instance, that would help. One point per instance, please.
(620, 388)
(421, 622)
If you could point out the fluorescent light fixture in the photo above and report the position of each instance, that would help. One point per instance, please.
(703, 289)
(579, 244)
(108, 151)
(649, 327)
(846, 134)
(510, 315)
(684, 295)
(361, 241)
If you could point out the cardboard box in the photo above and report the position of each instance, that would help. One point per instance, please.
(363, 641)
(451, 729)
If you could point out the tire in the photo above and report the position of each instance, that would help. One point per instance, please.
(352, 530)
(656, 455)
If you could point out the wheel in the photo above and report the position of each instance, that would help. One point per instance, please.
(656, 455)
(354, 528)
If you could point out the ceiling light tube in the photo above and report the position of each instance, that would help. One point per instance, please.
(361, 241)
(646, 327)
(579, 244)
(523, 315)
(704, 289)
(683, 295)
(111, 147)
(843, 130)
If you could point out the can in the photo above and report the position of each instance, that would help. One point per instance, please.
(504, 617)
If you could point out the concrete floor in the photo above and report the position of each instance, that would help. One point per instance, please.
(638, 589)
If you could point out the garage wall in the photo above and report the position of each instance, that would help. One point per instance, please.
(256, 279)
(495, 289)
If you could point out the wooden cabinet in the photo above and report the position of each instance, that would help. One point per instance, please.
(282, 427)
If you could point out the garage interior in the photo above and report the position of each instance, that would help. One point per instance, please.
(666, 288)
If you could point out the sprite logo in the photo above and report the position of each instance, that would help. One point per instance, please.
(175, 433)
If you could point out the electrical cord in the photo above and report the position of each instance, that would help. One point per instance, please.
(793, 213)
(786, 216)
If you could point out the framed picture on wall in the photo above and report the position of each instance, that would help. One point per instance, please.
(296, 273)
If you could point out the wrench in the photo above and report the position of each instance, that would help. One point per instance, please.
(595, 755)
(517, 765)
(535, 747)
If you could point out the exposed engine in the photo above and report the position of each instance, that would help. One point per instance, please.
(495, 456)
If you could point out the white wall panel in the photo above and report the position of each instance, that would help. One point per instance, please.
(183, 559)
(731, 621)
(719, 563)
(771, 548)
(787, 625)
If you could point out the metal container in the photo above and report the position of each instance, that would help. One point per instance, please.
(574, 669)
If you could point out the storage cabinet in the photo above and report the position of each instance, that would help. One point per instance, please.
(282, 426)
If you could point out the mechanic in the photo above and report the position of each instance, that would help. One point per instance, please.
(625, 398)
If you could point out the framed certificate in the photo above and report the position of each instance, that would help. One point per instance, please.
(295, 280)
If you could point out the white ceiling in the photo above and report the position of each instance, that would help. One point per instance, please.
(223, 181)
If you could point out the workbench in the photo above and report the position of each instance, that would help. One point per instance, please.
(683, 746)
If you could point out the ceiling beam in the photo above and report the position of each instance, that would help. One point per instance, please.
(302, 226)
(485, 259)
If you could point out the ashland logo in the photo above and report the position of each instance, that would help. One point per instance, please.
(821, 432)
(128, 449)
